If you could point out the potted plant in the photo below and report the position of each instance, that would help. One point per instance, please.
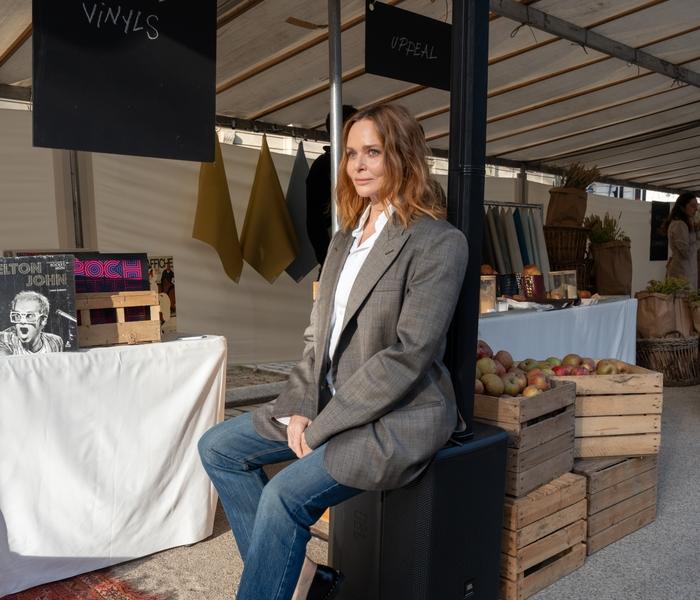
(612, 257)
(567, 204)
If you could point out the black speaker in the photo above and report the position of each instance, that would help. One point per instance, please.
(438, 538)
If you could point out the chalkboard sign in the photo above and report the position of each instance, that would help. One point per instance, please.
(658, 241)
(407, 46)
(125, 76)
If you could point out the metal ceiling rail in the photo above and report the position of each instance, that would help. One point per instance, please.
(589, 39)
(15, 92)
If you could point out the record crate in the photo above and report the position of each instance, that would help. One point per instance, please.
(618, 415)
(621, 497)
(543, 536)
(540, 434)
(109, 318)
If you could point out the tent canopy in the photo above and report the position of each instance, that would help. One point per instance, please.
(626, 98)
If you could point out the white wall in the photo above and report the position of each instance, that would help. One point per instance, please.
(148, 205)
(28, 216)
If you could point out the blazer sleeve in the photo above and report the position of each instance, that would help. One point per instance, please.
(383, 381)
(298, 397)
(679, 239)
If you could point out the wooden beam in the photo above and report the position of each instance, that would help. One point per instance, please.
(590, 39)
(14, 46)
(15, 92)
(228, 15)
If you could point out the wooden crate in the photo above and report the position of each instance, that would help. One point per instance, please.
(621, 497)
(618, 415)
(123, 331)
(541, 434)
(543, 536)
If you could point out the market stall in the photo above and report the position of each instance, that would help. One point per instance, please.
(99, 455)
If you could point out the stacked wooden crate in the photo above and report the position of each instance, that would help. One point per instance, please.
(544, 526)
(618, 415)
(618, 434)
(543, 536)
(621, 497)
(540, 431)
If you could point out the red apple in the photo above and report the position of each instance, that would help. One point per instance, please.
(538, 379)
(483, 350)
(573, 360)
(500, 368)
(520, 374)
(531, 390)
(493, 384)
(511, 384)
(504, 358)
(580, 371)
(478, 387)
(486, 365)
(562, 370)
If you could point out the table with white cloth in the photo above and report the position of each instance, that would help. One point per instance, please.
(98, 455)
(604, 330)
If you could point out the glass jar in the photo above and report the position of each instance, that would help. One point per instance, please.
(487, 294)
(563, 285)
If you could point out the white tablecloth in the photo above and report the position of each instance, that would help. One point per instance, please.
(98, 456)
(605, 330)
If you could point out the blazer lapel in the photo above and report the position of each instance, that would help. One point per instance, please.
(332, 268)
(384, 252)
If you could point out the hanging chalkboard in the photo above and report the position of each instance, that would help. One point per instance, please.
(658, 241)
(404, 45)
(125, 76)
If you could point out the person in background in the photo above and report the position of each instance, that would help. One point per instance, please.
(318, 196)
(371, 401)
(680, 227)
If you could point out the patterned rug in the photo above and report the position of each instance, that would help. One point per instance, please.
(97, 585)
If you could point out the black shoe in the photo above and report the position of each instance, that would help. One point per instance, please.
(326, 583)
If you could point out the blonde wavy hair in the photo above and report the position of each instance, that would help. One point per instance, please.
(408, 184)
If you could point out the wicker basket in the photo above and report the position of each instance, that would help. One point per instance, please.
(678, 358)
(566, 244)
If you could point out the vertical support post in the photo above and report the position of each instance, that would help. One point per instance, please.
(521, 193)
(465, 189)
(335, 76)
(75, 193)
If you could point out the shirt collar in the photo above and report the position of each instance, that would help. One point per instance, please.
(382, 220)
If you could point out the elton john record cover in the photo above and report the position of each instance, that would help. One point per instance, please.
(37, 305)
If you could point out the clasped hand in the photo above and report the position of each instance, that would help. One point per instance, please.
(295, 435)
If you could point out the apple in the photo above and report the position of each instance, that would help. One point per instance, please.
(478, 373)
(500, 368)
(553, 361)
(622, 366)
(548, 372)
(573, 360)
(486, 365)
(606, 367)
(493, 384)
(528, 364)
(483, 349)
(520, 374)
(589, 363)
(562, 370)
(478, 387)
(580, 371)
(511, 384)
(538, 379)
(504, 358)
(531, 390)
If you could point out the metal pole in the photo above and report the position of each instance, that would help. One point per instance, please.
(465, 189)
(335, 68)
(75, 193)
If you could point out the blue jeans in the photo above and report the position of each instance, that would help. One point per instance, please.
(270, 520)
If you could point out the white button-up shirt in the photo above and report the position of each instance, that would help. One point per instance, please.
(353, 263)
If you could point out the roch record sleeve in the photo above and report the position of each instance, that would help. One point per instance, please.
(37, 305)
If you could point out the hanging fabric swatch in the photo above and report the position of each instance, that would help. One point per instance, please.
(542, 245)
(500, 265)
(516, 258)
(214, 223)
(296, 203)
(502, 240)
(268, 239)
(487, 255)
(517, 220)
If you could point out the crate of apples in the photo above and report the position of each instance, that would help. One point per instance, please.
(498, 375)
(575, 365)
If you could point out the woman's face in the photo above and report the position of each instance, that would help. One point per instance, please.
(365, 159)
(691, 208)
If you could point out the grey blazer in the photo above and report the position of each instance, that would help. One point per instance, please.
(394, 405)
